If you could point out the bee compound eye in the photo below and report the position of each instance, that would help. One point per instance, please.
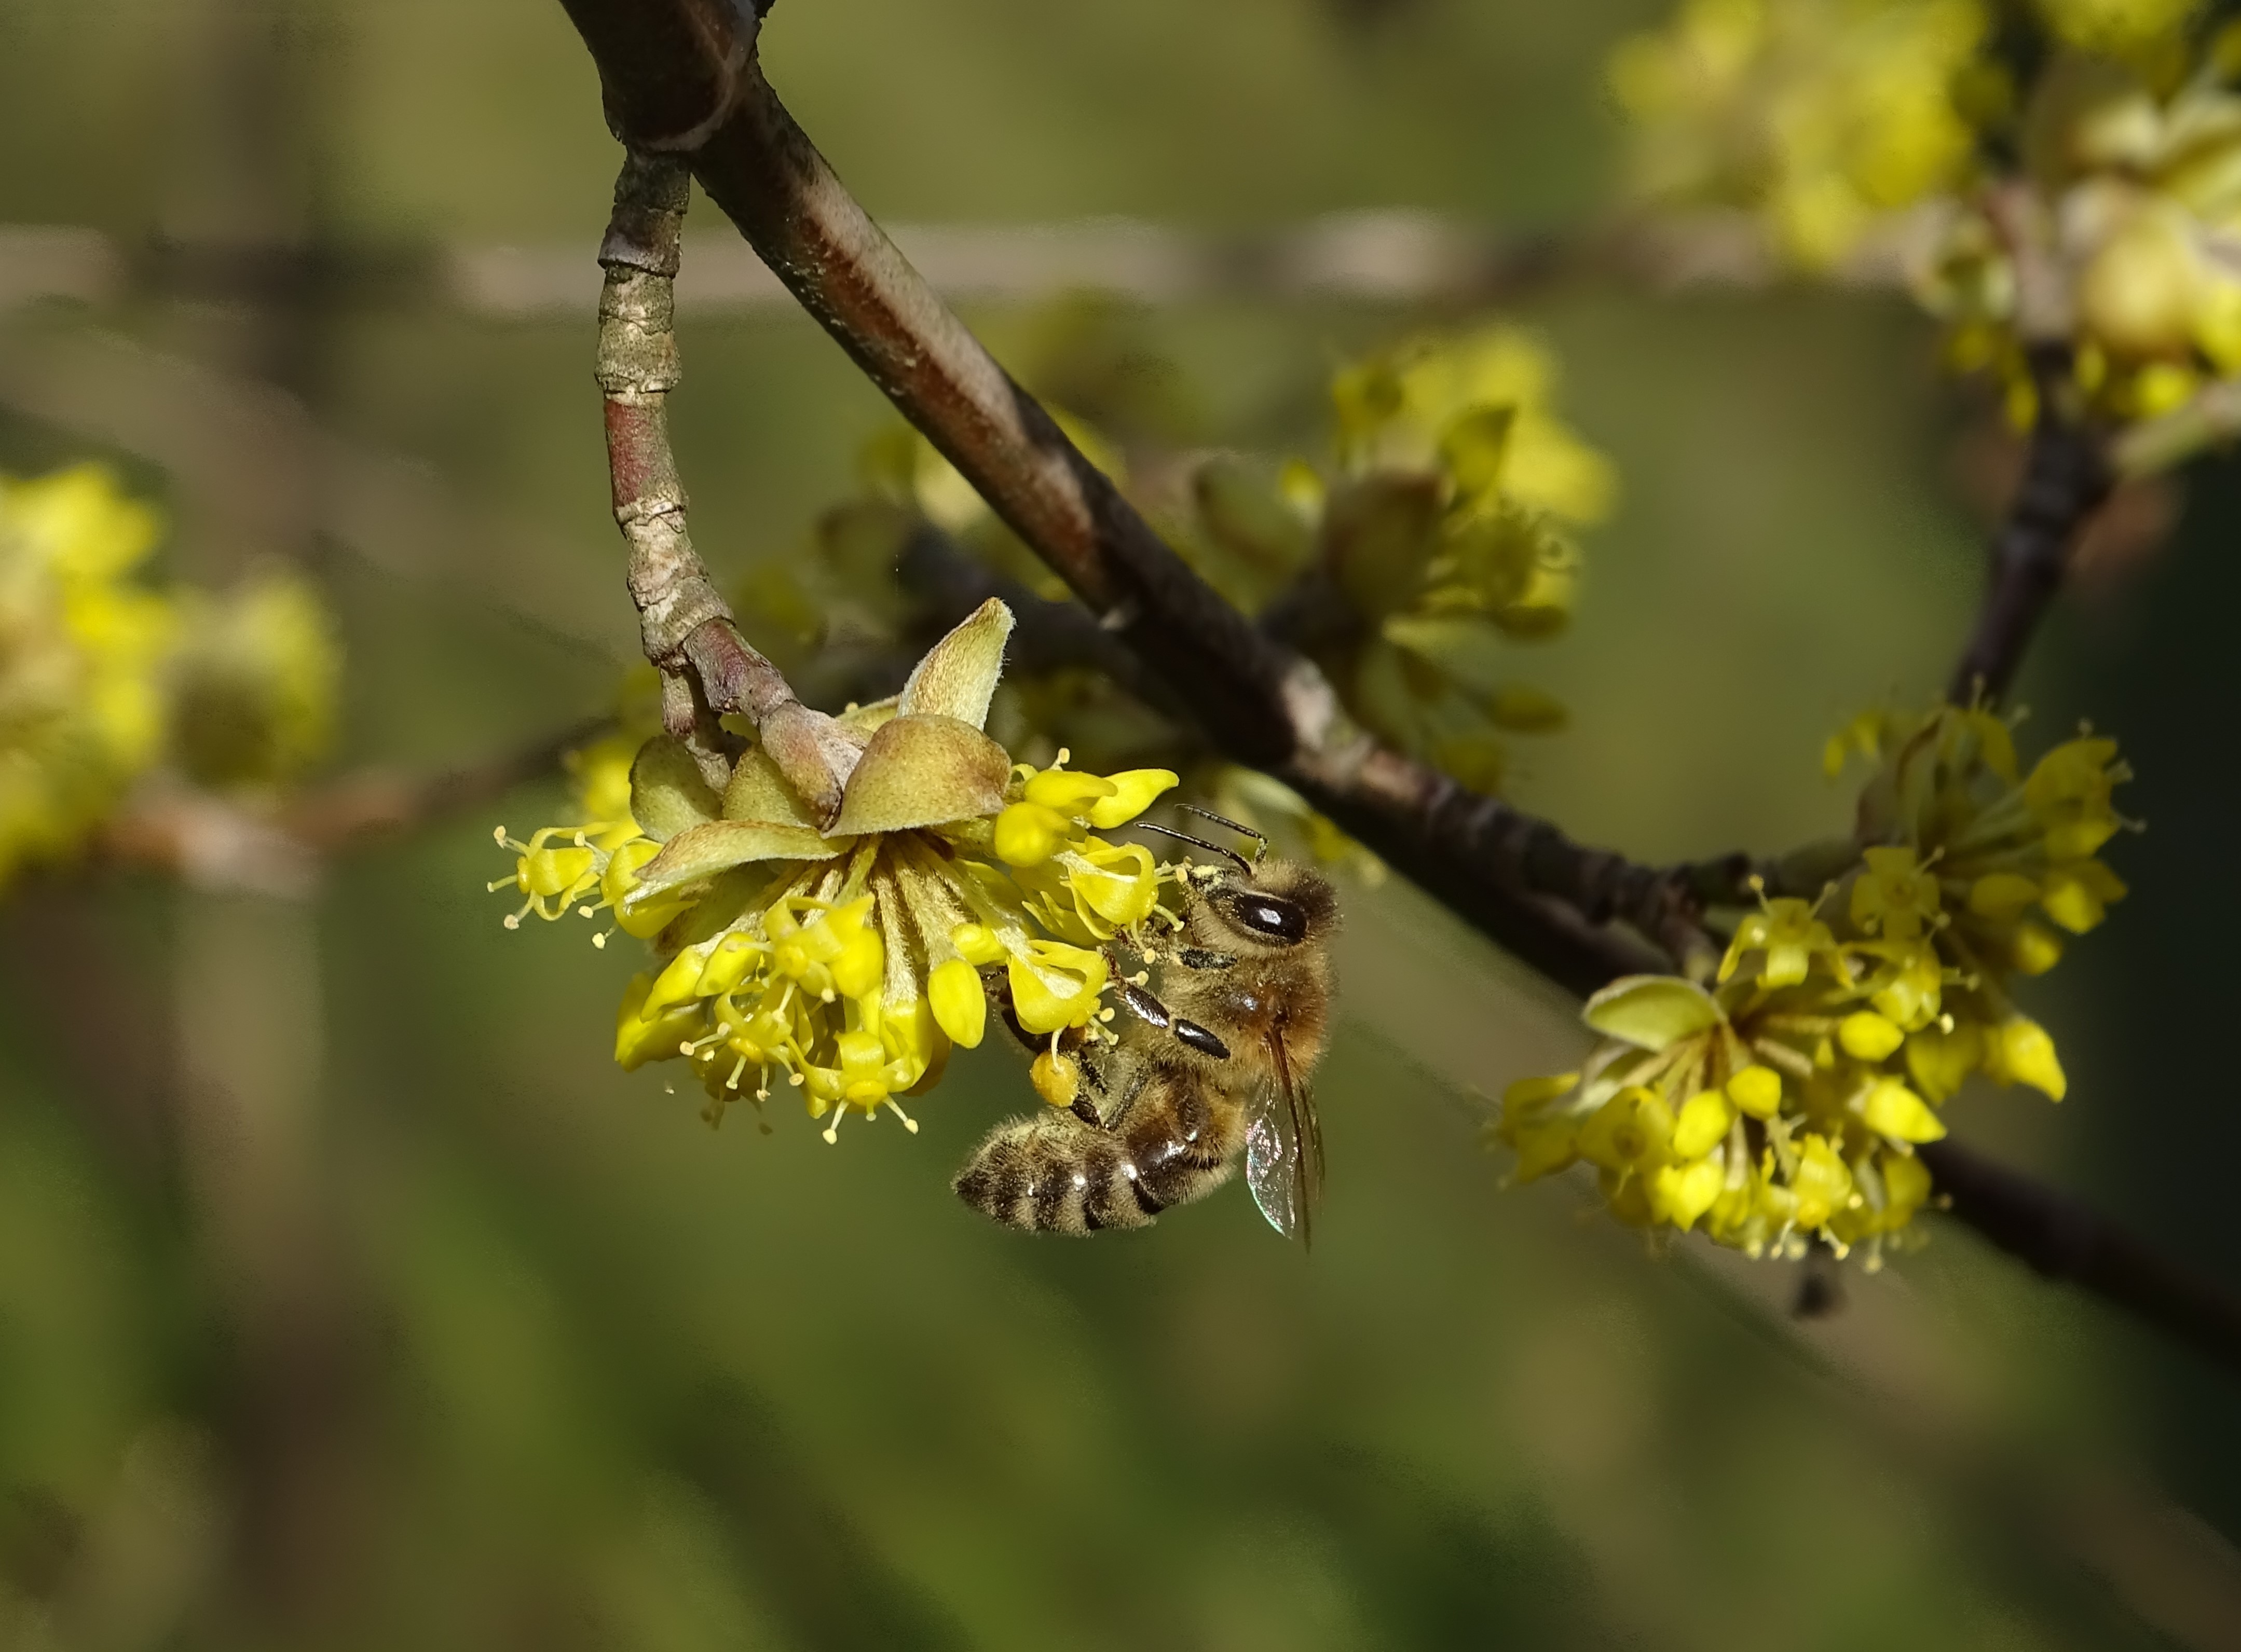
(1267, 916)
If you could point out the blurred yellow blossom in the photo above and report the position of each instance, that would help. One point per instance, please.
(254, 683)
(82, 651)
(2126, 209)
(1821, 115)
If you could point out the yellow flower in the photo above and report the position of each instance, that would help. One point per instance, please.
(847, 958)
(1895, 897)
(1791, 938)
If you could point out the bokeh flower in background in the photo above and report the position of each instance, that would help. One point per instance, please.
(1819, 116)
(82, 649)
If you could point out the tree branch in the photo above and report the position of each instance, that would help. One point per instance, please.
(1518, 879)
(216, 842)
(2067, 475)
(2065, 1240)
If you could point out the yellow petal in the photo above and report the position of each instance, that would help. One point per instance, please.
(1068, 792)
(1134, 791)
(1938, 1061)
(1475, 445)
(1757, 1091)
(977, 943)
(1058, 986)
(1893, 1110)
(960, 1008)
(1684, 1193)
(2077, 895)
(1028, 835)
(2034, 949)
(2001, 896)
(1702, 1123)
(1867, 1036)
(862, 962)
(638, 1040)
(2022, 1050)
(1527, 1093)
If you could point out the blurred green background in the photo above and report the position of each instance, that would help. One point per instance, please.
(350, 1297)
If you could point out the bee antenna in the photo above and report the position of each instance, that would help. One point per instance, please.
(1243, 865)
(1260, 843)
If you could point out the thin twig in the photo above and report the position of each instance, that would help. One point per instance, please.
(685, 626)
(673, 66)
(2066, 476)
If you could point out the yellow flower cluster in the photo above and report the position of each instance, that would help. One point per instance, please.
(81, 650)
(1818, 115)
(1785, 1101)
(1437, 545)
(2132, 203)
(848, 959)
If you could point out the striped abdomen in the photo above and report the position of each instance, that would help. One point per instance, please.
(1057, 1173)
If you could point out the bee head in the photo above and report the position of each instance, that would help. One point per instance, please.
(1280, 907)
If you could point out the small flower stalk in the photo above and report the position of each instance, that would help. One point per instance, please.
(847, 961)
(1784, 1101)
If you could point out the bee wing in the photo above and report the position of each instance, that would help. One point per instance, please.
(1284, 1148)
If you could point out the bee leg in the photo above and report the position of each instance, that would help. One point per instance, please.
(1200, 958)
(1141, 1004)
(1152, 1012)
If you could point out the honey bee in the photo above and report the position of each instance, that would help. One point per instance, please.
(1215, 1063)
